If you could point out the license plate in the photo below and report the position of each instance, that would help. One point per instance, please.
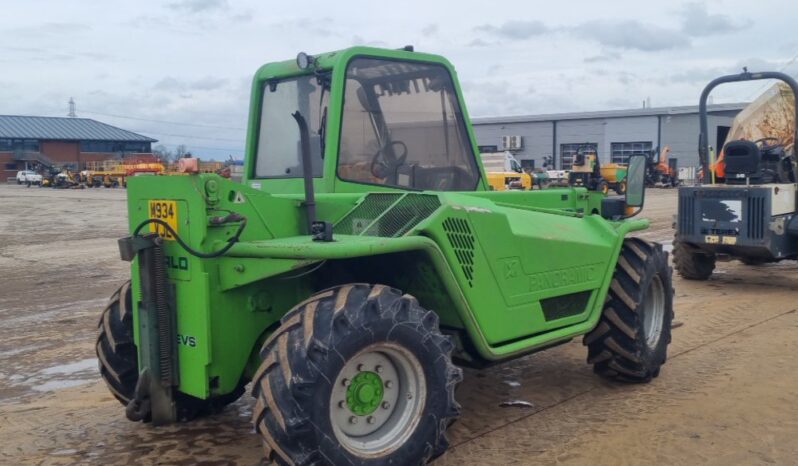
(166, 211)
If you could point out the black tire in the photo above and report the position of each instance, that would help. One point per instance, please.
(317, 340)
(620, 188)
(630, 342)
(118, 360)
(116, 353)
(752, 261)
(603, 187)
(692, 263)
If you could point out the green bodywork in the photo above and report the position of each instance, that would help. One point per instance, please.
(507, 272)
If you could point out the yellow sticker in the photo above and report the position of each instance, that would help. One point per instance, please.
(729, 240)
(166, 211)
(712, 239)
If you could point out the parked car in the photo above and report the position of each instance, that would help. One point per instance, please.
(28, 176)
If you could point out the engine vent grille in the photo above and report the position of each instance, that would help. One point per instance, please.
(686, 215)
(462, 241)
(387, 215)
(756, 217)
(565, 305)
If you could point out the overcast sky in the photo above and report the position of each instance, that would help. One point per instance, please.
(148, 65)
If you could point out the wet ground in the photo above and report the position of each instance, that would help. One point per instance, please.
(728, 394)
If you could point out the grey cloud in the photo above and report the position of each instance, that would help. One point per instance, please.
(429, 30)
(208, 83)
(479, 43)
(358, 40)
(198, 6)
(696, 21)
(516, 30)
(631, 34)
(604, 57)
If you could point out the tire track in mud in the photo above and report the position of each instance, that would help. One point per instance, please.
(539, 437)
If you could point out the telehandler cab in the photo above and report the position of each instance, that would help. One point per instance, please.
(361, 254)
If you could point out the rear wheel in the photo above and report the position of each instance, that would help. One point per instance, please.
(631, 340)
(752, 261)
(621, 188)
(118, 360)
(603, 187)
(692, 263)
(359, 375)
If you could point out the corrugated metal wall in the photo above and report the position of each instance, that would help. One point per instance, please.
(680, 132)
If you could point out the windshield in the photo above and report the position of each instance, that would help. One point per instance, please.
(279, 152)
(402, 126)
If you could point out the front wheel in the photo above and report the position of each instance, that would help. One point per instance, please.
(630, 343)
(603, 187)
(621, 188)
(359, 375)
(692, 263)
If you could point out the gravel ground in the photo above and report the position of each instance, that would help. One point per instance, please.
(728, 394)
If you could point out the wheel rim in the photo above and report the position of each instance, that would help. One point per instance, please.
(377, 399)
(654, 312)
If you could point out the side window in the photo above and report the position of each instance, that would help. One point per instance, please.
(279, 152)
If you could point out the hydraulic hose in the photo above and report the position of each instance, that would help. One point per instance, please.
(232, 217)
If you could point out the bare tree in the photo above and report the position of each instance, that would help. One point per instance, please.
(163, 152)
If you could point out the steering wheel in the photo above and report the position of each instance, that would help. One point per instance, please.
(762, 143)
(382, 164)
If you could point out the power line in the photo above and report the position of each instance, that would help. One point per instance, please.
(759, 91)
(199, 125)
(186, 136)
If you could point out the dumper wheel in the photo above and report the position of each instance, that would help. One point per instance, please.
(118, 360)
(631, 339)
(603, 187)
(359, 375)
(691, 263)
(620, 188)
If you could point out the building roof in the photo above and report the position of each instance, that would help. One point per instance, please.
(64, 129)
(632, 112)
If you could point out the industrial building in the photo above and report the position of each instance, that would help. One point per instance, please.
(615, 134)
(32, 141)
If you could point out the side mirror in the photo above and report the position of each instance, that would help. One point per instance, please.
(636, 181)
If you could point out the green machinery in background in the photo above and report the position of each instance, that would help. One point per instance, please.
(361, 255)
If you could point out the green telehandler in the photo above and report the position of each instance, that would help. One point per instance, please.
(360, 257)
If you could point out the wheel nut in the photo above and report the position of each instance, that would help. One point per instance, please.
(360, 367)
(378, 369)
(353, 420)
(385, 405)
(342, 404)
(388, 384)
(370, 420)
(346, 382)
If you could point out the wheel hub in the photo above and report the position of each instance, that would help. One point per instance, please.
(377, 399)
(364, 393)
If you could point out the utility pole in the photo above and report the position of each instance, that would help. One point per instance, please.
(71, 113)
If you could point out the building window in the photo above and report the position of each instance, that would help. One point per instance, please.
(19, 145)
(622, 150)
(114, 146)
(568, 151)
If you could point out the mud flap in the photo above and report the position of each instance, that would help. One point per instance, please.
(157, 329)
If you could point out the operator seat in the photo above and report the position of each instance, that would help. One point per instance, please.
(742, 160)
